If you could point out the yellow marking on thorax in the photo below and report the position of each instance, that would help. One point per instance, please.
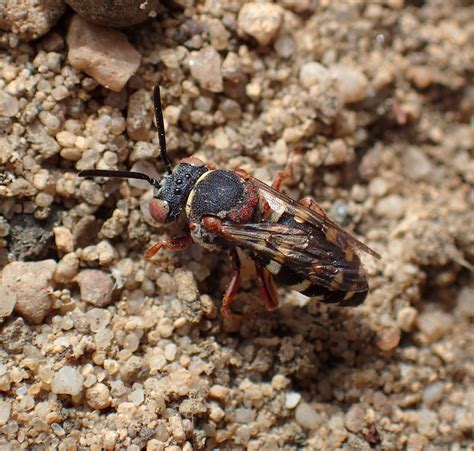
(191, 194)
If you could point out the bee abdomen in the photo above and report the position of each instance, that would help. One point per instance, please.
(301, 283)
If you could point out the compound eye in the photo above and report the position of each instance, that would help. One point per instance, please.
(159, 210)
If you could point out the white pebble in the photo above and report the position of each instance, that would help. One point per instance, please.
(306, 416)
(313, 73)
(67, 381)
(205, 67)
(292, 399)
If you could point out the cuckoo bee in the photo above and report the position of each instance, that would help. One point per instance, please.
(292, 243)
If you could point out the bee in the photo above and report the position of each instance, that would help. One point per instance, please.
(292, 243)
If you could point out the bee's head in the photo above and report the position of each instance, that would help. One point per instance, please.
(172, 192)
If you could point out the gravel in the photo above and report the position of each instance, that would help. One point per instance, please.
(101, 349)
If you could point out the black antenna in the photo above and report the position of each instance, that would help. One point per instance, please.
(119, 174)
(160, 126)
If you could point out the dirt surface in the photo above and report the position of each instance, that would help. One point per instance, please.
(104, 349)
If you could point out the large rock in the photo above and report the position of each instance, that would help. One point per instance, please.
(30, 284)
(103, 53)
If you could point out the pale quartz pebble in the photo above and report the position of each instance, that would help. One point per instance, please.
(106, 252)
(205, 66)
(103, 53)
(131, 342)
(284, 46)
(66, 268)
(406, 318)
(391, 206)
(63, 239)
(139, 115)
(170, 351)
(355, 418)
(147, 168)
(433, 393)
(66, 139)
(98, 396)
(137, 396)
(244, 415)
(434, 325)
(313, 73)
(417, 166)
(187, 288)
(219, 392)
(96, 287)
(292, 399)
(98, 319)
(351, 81)
(156, 362)
(67, 381)
(262, 21)
(9, 105)
(31, 283)
(5, 410)
(306, 416)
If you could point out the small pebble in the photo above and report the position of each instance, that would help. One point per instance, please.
(30, 282)
(292, 399)
(406, 318)
(205, 66)
(139, 115)
(388, 339)
(244, 416)
(434, 325)
(433, 393)
(351, 81)
(416, 164)
(104, 54)
(5, 410)
(262, 21)
(96, 287)
(67, 381)
(306, 416)
(67, 268)
(391, 206)
(354, 420)
(98, 396)
(7, 302)
(313, 73)
(63, 239)
(219, 392)
(30, 19)
(9, 105)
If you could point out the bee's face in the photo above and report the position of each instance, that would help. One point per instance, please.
(171, 196)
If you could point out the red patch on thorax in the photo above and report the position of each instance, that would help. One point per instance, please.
(244, 212)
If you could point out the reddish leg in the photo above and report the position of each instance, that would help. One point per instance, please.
(175, 244)
(266, 287)
(310, 203)
(287, 172)
(232, 288)
(214, 225)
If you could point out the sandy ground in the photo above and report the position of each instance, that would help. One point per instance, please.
(106, 350)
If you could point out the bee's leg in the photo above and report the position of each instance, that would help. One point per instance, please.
(213, 224)
(310, 203)
(232, 288)
(288, 171)
(175, 244)
(266, 287)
